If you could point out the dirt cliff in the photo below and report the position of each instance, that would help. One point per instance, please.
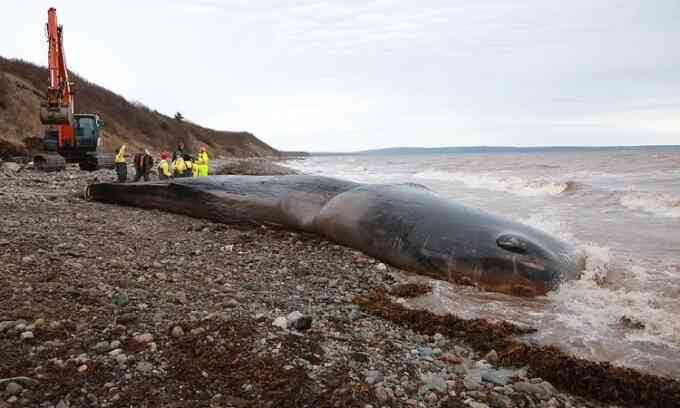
(23, 85)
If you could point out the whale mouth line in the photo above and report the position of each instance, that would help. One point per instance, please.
(534, 264)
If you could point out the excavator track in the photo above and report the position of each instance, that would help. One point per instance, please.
(49, 162)
(97, 162)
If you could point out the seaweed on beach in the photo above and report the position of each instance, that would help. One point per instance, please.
(597, 380)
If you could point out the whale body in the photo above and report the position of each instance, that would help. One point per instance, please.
(404, 225)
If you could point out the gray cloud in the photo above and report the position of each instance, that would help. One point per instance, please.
(328, 75)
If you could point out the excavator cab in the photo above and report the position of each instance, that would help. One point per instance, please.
(80, 143)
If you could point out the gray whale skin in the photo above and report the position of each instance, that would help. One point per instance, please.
(404, 225)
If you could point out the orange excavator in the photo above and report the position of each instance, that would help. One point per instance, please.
(68, 136)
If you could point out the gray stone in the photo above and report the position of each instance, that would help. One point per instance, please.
(121, 358)
(354, 315)
(432, 382)
(475, 404)
(115, 352)
(298, 321)
(115, 344)
(144, 338)
(144, 367)
(28, 260)
(491, 357)
(381, 267)
(10, 167)
(499, 401)
(120, 299)
(27, 335)
(7, 325)
(102, 347)
(62, 404)
(177, 331)
(281, 322)
(382, 394)
(373, 376)
(495, 377)
(540, 390)
(13, 388)
(181, 297)
(12, 399)
(472, 382)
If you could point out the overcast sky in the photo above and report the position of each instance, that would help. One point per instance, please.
(348, 75)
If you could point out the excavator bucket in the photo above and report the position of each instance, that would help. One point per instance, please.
(55, 115)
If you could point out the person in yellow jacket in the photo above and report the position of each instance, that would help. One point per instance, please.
(164, 167)
(194, 169)
(179, 167)
(121, 164)
(191, 166)
(202, 162)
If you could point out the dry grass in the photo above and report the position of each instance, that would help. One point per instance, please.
(22, 85)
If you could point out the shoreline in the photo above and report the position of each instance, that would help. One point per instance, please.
(123, 303)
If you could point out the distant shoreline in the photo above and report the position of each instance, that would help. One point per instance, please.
(401, 151)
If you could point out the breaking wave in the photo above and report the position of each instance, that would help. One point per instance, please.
(509, 184)
(659, 204)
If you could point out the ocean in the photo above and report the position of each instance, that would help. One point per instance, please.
(620, 206)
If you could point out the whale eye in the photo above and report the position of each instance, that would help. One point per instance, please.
(513, 243)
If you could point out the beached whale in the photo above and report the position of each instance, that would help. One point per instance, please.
(404, 225)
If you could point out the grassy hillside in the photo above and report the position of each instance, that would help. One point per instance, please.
(23, 85)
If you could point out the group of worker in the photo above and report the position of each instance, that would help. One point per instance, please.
(182, 164)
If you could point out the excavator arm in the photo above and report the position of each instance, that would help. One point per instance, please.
(58, 107)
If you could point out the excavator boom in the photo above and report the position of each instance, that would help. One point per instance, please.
(57, 109)
(68, 137)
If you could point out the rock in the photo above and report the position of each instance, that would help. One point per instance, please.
(500, 401)
(12, 399)
(373, 376)
(495, 377)
(381, 393)
(102, 347)
(115, 352)
(177, 332)
(491, 357)
(144, 338)
(354, 315)
(475, 404)
(231, 303)
(27, 335)
(7, 325)
(472, 383)
(281, 322)
(121, 358)
(10, 167)
(451, 358)
(542, 390)
(120, 299)
(28, 260)
(82, 368)
(298, 321)
(432, 382)
(144, 367)
(181, 297)
(115, 344)
(13, 389)
(4, 242)
(62, 404)
(127, 318)
(381, 267)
